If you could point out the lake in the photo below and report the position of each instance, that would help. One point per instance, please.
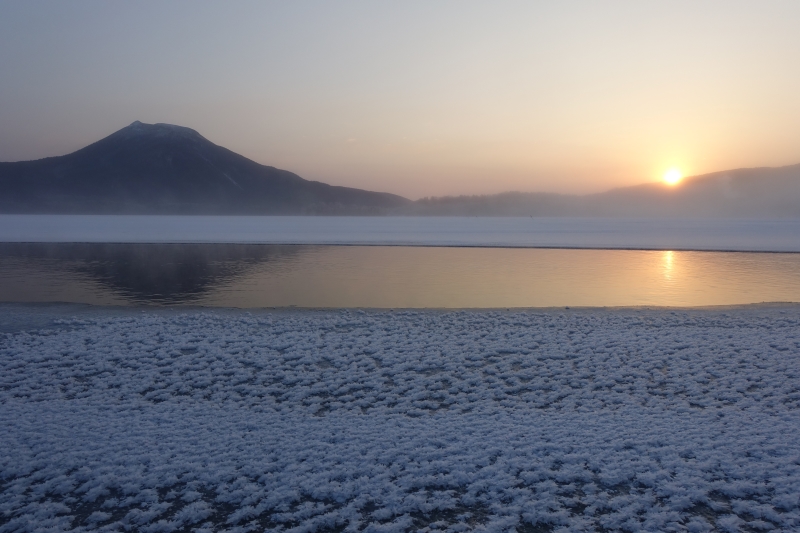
(253, 275)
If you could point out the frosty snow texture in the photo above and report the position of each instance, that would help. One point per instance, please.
(381, 421)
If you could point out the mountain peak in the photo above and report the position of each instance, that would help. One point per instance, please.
(169, 169)
(160, 129)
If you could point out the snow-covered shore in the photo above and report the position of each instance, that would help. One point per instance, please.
(718, 234)
(539, 420)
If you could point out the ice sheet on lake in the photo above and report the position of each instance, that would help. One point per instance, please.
(381, 421)
(780, 235)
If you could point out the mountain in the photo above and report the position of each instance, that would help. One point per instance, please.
(747, 192)
(166, 169)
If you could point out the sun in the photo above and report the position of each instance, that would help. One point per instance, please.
(672, 176)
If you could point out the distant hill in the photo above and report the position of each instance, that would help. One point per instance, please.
(747, 192)
(166, 169)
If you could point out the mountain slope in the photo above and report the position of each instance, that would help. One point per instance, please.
(746, 192)
(749, 192)
(161, 168)
(166, 169)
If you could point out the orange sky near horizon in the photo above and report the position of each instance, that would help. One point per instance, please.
(418, 98)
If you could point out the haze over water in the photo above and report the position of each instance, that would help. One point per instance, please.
(416, 99)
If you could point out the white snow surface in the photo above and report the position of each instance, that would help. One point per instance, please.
(775, 235)
(572, 420)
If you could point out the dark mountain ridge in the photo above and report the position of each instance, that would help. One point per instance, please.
(166, 169)
(747, 192)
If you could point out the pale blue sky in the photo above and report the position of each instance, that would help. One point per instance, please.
(417, 98)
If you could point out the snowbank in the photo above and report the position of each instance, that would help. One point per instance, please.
(395, 421)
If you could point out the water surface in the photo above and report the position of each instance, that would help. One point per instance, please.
(232, 275)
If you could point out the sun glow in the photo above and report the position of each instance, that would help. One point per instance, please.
(672, 176)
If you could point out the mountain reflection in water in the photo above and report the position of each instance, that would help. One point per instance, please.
(134, 273)
(231, 275)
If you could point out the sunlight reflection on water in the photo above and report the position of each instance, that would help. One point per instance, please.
(381, 276)
(668, 259)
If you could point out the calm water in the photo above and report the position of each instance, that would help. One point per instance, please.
(378, 276)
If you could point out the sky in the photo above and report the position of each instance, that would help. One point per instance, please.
(418, 98)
